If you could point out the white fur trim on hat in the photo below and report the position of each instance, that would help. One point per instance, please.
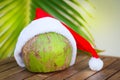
(39, 26)
(95, 64)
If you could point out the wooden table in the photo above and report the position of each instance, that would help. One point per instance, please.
(9, 70)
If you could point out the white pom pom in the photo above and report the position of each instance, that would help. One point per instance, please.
(95, 64)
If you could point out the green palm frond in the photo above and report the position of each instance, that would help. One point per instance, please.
(16, 14)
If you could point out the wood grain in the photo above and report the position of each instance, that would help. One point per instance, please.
(9, 70)
(87, 72)
(7, 66)
(79, 65)
(116, 76)
(19, 75)
(107, 72)
(7, 60)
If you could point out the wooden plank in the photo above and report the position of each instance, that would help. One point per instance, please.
(80, 57)
(20, 75)
(87, 72)
(39, 76)
(81, 75)
(7, 60)
(107, 72)
(116, 76)
(111, 57)
(70, 71)
(10, 72)
(7, 66)
(43, 76)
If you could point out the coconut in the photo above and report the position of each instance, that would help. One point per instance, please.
(45, 49)
(47, 52)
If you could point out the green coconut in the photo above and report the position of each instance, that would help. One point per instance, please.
(47, 52)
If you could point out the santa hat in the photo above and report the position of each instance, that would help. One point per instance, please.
(43, 23)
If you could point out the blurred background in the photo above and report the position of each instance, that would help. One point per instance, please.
(96, 20)
(106, 31)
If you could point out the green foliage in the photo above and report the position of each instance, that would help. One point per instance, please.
(16, 14)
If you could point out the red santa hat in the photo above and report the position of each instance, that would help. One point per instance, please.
(43, 23)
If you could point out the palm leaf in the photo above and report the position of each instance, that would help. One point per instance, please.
(16, 14)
